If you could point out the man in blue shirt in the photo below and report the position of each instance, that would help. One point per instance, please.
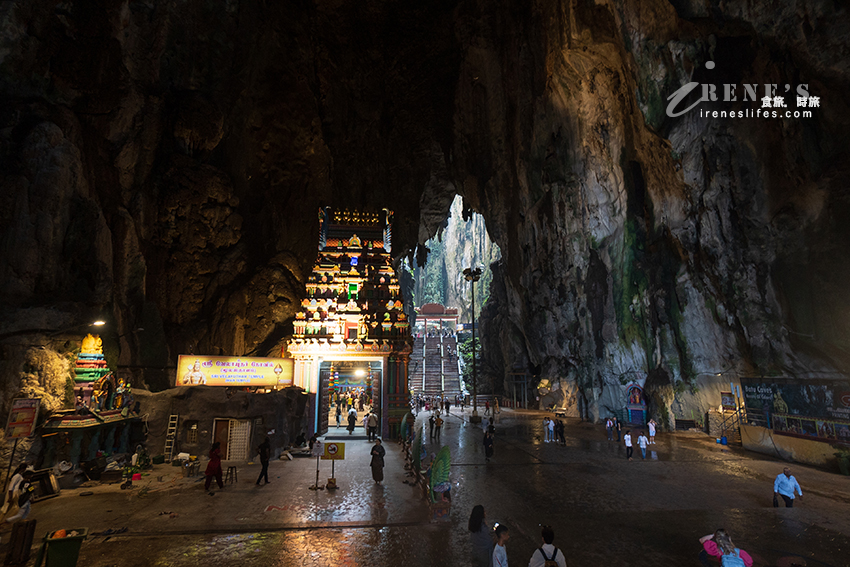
(784, 486)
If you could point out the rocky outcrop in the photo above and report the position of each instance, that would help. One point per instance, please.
(281, 415)
(461, 242)
(161, 165)
(674, 252)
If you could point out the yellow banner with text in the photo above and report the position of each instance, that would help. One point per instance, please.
(200, 370)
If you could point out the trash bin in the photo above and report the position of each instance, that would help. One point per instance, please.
(61, 551)
(724, 441)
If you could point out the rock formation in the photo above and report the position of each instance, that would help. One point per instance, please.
(161, 165)
(461, 242)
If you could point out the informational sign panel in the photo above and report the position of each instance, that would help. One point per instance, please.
(317, 450)
(22, 418)
(334, 452)
(727, 400)
(194, 370)
(818, 410)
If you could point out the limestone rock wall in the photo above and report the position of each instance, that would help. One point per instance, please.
(161, 165)
(673, 252)
(283, 411)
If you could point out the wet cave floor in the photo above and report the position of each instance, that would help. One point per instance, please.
(604, 509)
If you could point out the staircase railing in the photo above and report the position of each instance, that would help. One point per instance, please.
(732, 422)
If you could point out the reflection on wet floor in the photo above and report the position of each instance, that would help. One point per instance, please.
(605, 510)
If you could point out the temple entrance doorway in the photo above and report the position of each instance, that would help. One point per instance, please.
(354, 388)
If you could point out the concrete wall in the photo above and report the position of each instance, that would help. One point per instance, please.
(762, 440)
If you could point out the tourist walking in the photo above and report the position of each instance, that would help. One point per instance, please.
(486, 407)
(431, 421)
(719, 544)
(617, 428)
(544, 555)
(372, 423)
(377, 462)
(552, 430)
(264, 450)
(500, 552)
(627, 439)
(545, 429)
(652, 425)
(642, 442)
(214, 468)
(609, 429)
(438, 426)
(785, 485)
(480, 539)
(559, 431)
(448, 406)
(496, 407)
(352, 420)
(338, 416)
(488, 446)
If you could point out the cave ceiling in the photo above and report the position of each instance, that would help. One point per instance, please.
(162, 164)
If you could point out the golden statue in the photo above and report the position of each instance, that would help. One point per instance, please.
(92, 345)
(779, 405)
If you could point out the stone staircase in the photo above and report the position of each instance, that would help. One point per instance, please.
(433, 366)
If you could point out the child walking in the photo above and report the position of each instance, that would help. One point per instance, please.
(500, 552)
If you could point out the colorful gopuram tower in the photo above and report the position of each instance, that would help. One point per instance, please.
(352, 318)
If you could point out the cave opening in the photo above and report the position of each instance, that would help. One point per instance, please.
(442, 299)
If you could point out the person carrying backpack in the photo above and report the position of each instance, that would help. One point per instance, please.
(547, 555)
(719, 544)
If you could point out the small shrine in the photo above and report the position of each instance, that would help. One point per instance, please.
(95, 385)
(102, 421)
(352, 318)
(635, 405)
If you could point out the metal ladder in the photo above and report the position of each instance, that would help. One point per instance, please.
(170, 436)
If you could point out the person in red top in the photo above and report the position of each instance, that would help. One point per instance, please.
(719, 544)
(214, 467)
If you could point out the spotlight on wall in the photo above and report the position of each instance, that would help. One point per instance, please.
(360, 372)
(99, 323)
